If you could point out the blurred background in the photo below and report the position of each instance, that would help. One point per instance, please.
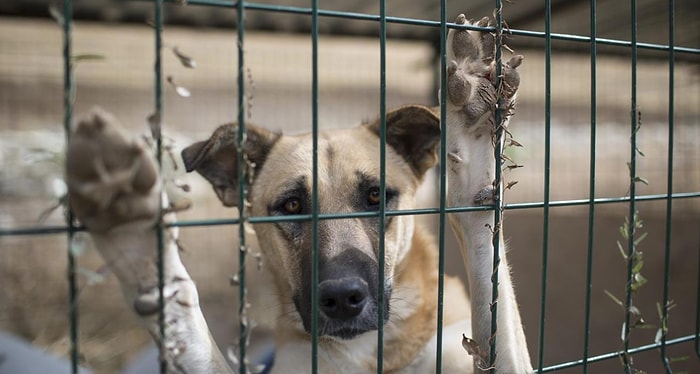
(116, 73)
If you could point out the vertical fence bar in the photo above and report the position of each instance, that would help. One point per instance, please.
(591, 190)
(632, 188)
(382, 184)
(314, 188)
(547, 159)
(68, 96)
(243, 323)
(443, 182)
(498, 195)
(697, 309)
(158, 89)
(669, 186)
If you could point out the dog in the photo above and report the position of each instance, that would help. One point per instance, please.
(116, 192)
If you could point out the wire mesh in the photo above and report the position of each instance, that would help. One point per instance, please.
(632, 199)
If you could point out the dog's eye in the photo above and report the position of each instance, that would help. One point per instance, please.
(292, 206)
(374, 196)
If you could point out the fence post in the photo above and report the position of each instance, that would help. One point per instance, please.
(547, 170)
(591, 188)
(68, 101)
(314, 189)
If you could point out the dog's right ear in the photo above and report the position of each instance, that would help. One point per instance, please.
(216, 159)
(414, 132)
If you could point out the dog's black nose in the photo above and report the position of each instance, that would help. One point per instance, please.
(344, 298)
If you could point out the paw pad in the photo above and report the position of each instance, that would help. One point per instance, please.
(471, 72)
(485, 196)
(110, 177)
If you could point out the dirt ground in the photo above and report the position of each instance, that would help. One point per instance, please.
(33, 296)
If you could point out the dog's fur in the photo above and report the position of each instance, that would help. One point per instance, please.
(115, 191)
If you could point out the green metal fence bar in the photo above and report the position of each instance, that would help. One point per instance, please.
(498, 195)
(632, 189)
(617, 354)
(243, 323)
(443, 183)
(547, 163)
(158, 89)
(697, 312)
(382, 186)
(591, 190)
(68, 101)
(51, 230)
(669, 188)
(315, 209)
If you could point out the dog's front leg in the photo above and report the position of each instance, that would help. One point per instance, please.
(115, 192)
(471, 125)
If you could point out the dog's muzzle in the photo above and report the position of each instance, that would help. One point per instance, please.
(347, 296)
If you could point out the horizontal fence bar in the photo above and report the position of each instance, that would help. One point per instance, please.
(428, 23)
(611, 355)
(424, 211)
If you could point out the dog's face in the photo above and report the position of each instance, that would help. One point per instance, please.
(348, 181)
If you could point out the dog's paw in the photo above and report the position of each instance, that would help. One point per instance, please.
(111, 178)
(472, 75)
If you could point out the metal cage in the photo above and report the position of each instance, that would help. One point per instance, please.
(314, 11)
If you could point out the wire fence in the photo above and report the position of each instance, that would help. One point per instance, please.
(632, 199)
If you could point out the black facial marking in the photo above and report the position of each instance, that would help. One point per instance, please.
(368, 184)
(298, 194)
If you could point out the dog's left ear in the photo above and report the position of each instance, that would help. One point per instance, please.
(414, 132)
(216, 159)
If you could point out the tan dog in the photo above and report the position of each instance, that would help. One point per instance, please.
(348, 248)
(114, 197)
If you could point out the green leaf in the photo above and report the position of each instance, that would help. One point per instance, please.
(88, 57)
(638, 267)
(679, 359)
(638, 282)
(622, 250)
(624, 232)
(640, 239)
